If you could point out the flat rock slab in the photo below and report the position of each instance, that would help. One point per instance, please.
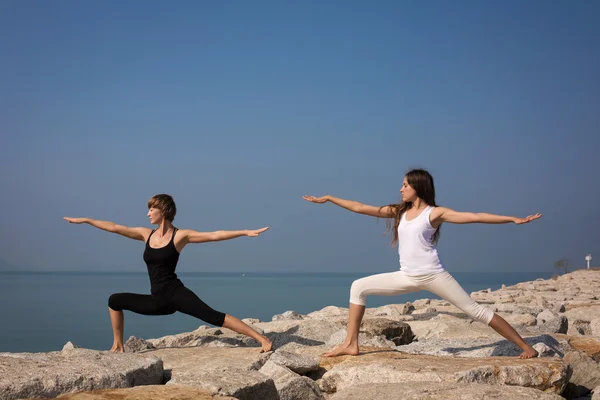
(450, 327)
(587, 344)
(153, 392)
(441, 391)
(47, 375)
(220, 371)
(482, 347)
(549, 375)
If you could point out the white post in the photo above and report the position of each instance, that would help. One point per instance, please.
(588, 258)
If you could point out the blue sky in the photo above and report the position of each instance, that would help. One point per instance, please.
(237, 109)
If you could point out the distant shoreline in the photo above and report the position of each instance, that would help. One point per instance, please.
(263, 273)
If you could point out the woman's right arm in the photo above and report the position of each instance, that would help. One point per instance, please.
(140, 233)
(354, 206)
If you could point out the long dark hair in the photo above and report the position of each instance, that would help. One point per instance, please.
(422, 182)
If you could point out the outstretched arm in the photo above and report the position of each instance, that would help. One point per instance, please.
(191, 236)
(354, 206)
(133, 233)
(443, 214)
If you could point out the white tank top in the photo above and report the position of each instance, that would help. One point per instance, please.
(418, 255)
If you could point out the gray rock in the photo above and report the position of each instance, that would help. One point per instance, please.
(441, 391)
(299, 363)
(251, 321)
(520, 319)
(307, 332)
(584, 313)
(546, 315)
(279, 373)
(421, 303)
(596, 393)
(393, 310)
(288, 315)
(549, 375)
(136, 344)
(516, 308)
(586, 374)
(398, 332)
(426, 310)
(329, 312)
(301, 388)
(243, 385)
(560, 324)
(221, 371)
(579, 327)
(484, 347)
(544, 350)
(26, 375)
(69, 346)
(147, 392)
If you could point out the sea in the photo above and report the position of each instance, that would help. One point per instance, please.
(41, 311)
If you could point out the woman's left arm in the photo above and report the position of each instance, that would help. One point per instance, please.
(444, 214)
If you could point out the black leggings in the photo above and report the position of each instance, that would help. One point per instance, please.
(179, 299)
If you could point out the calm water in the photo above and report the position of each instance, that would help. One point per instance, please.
(42, 311)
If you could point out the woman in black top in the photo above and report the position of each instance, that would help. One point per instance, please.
(168, 294)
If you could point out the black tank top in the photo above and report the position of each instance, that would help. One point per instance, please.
(161, 265)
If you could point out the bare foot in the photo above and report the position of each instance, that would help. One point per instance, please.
(343, 350)
(117, 348)
(267, 345)
(529, 353)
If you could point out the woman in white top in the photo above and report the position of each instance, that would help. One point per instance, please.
(415, 224)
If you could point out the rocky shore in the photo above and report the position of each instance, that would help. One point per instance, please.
(427, 349)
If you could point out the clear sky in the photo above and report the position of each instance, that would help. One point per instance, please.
(238, 108)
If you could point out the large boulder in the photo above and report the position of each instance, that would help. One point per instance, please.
(549, 375)
(441, 391)
(47, 375)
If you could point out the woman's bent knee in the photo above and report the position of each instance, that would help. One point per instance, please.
(115, 302)
(357, 293)
(481, 313)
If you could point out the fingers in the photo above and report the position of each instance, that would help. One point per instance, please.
(257, 232)
(313, 199)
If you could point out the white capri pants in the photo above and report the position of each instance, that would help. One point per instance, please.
(441, 284)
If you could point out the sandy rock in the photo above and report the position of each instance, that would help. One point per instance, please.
(289, 384)
(586, 374)
(392, 310)
(559, 324)
(329, 312)
(586, 314)
(297, 333)
(421, 303)
(398, 332)
(426, 310)
(520, 319)
(441, 391)
(279, 373)
(70, 346)
(151, 392)
(301, 388)
(220, 371)
(26, 375)
(595, 327)
(299, 363)
(136, 344)
(485, 347)
(548, 375)
(288, 315)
